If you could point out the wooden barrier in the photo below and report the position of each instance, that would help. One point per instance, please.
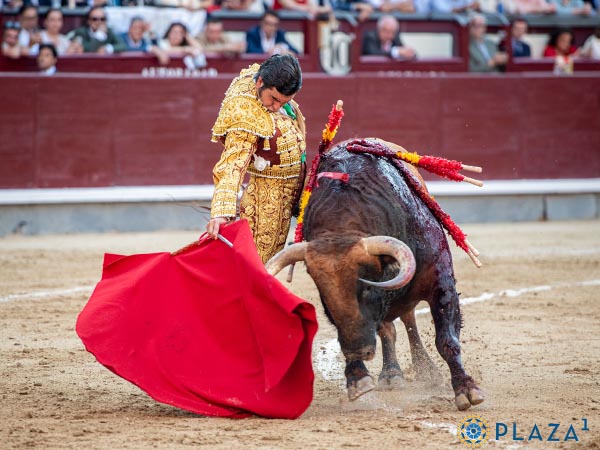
(126, 130)
(135, 63)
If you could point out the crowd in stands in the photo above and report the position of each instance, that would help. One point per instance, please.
(24, 36)
(315, 8)
(487, 56)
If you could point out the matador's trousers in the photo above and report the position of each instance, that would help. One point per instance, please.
(267, 205)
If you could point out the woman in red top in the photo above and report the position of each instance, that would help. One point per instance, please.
(560, 44)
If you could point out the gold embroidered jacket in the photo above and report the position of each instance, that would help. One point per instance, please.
(247, 128)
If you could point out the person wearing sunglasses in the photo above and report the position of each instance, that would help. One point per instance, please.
(10, 40)
(96, 36)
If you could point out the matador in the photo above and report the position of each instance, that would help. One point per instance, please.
(263, 133)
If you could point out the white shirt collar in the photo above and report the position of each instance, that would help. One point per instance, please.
(267, 44)
(49, 71)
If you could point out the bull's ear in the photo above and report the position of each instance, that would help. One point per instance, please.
(386, 260)
(359, 256)
(371, 271)
(366, 262)
(372, 263)
(391, 247)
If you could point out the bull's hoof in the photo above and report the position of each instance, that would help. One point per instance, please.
(473, 397)
(462, 402)
(476, 396)
(362, 386)
(390, 383)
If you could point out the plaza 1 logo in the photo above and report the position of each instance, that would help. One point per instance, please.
(474, 431)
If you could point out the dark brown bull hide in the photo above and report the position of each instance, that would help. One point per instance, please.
(376, 201)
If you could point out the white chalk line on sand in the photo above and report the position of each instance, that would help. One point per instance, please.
(46, 294)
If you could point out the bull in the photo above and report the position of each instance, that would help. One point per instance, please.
(374, 251)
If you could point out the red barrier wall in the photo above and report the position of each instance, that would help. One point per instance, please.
(78, 130)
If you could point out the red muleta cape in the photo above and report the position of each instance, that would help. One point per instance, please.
(207, 330)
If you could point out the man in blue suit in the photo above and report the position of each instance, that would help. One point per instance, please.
(520, 48)
(268, 38)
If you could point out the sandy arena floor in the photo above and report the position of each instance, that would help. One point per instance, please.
(531, 340)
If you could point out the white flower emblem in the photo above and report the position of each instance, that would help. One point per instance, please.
(261, 163)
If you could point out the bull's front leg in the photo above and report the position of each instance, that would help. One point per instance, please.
(391, 376)
(358, 379)
(446, 316)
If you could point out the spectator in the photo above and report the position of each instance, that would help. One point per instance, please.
(561, 47)
(190, 5)
(46, 59)
(591, 46)
(573, 7)
(213, 39)
(178, 42)
(483, 53)
(29, 36)
(520, 48)
(423, 6)
(197, 5)
(362, 7)
(10, 40)
(135, 41)
(390, 6)
(268, 38)
(96, 36)
(72, 4)
(312, 7)
(530, 7)
(254, 6)
(385, 40)
(561, 43)
(12, 4)
(53, 23)
(454, 6)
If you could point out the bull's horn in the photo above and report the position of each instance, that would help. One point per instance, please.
(285, 257)
(387, 245)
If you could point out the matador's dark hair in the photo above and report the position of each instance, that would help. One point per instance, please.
(281, 72)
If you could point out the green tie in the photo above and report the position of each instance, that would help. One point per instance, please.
(290, 112)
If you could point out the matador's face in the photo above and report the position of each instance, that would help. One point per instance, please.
(271, 98)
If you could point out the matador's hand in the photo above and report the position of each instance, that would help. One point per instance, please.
(212, 228)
